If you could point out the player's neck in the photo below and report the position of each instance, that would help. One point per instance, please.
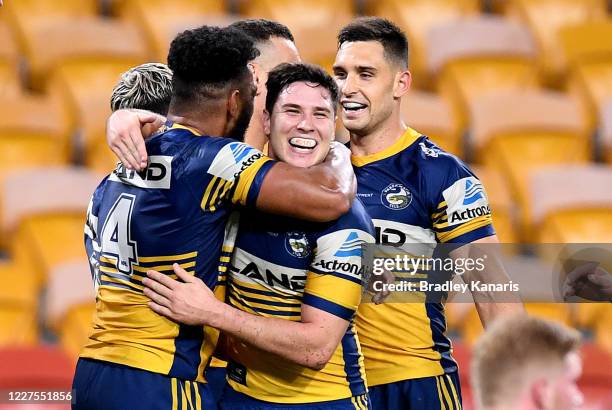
(379, 139)
(203, 124)
(254, 135)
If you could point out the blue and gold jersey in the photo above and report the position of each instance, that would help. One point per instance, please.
(174, 211)
(415, 193)
(279, 265)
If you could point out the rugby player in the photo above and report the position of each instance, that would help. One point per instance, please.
(145, 87)
(527, 363)
(294, 285)
(410, 188)
(275, 44)
(176, 210)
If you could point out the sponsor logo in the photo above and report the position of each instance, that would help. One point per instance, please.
(396, 197)
(297, 244)
(469, 213)
(335, 265)
(369, 195)
(350, 247)
(156, 175)
(473, 192)
(232, 159)
(293, 282)
(430, 152)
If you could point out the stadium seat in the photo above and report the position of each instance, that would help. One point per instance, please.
(43, 218)
(606, 127)
(39, 367)
(92, 40)
(9, 60)
(429, 114)
(315, 36)
(567, 209)
(161, 20)
(74, 328)
(501, 202)
(18, 305)
(474, 56)
(545, 18)
(587, 49)
(416, 18)
(541, 129)
(85, 90)
(33, 132)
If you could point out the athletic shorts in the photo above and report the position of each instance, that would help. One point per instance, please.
(215, 376)
(99, 385)
(428, 393)
(233, 400)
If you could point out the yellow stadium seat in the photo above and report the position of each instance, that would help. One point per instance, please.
(545, 18)
(161, 20)
(43, 219)
(85, 90)
(541, 129)
(475, 56)
(431, 115)
(587, 48)
(416, 18)
(69, 284)
(18, 305)
(28, 9)
(603, 330)
(9, 79)
(315, 36)
(86, 39)
(75, 327)
(572, 204)
(33, 132)
(501, 202)
(558, 312)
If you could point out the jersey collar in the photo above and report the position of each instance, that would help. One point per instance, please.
(402, 143)
(173, 125)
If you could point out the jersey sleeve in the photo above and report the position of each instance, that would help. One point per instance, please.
(235, 174)
(333, 283)
(461, 211)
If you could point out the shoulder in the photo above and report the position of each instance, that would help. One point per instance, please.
(356, 224)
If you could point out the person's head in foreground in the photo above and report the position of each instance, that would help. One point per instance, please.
(212, 82)
(300, 113)
(145, 87)
(525, 363)
(371, 70)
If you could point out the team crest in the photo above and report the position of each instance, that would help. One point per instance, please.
(396, 197)
(430, 152)
(297, 244)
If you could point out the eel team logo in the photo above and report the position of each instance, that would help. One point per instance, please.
(396, 197)
(297, 244)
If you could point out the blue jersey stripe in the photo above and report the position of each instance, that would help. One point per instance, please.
(351, 355)
(328, 306)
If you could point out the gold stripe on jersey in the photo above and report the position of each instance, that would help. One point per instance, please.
(246, 179)
(442, 406)
(205, 204)
(334, 289)
(174, 395)
(462, 229)
(161, 268)
(402, 143)
(453, 391)
(263, 307)
(166, 258)
(255, 290)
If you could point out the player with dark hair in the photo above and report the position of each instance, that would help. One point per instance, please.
(527, 363)
(410, 188)
(294, 286)
(177, 210)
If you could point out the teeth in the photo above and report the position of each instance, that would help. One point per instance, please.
(302, 142)
(352, 105)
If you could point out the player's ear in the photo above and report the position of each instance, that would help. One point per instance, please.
(539, 392)
(266, 123)
(256, 72)
(403, 81)
(233, 108)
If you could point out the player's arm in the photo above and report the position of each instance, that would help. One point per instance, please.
(322, 192)
(126, 131)
(309, 343)
(489, 305)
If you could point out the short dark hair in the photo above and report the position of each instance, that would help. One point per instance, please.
(288, 73)
(208, 59)
(263, 30)
(392, 38)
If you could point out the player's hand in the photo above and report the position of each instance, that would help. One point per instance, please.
(385, 278)
(124, 135)
(589, 281)
(190, 302)
(339, 157)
